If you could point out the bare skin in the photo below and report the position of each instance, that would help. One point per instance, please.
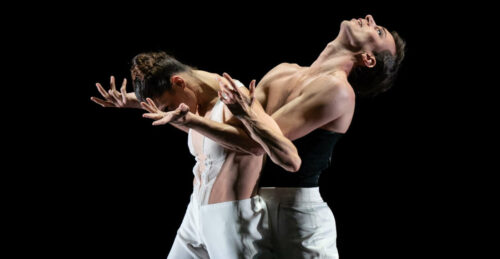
(238, 175)
(302, 99)
(195, 95)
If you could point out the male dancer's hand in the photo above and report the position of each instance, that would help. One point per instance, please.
(113, 98)
(237, 100)
(177, 116)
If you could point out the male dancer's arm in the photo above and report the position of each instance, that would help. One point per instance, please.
(323, 101)
(261, 127)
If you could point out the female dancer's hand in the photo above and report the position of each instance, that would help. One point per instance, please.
(237, 100)
(177, 116)
(113, 98)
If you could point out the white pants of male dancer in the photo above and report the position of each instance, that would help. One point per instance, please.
(302, 224)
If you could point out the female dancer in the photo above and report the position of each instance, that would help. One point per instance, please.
(225, 217)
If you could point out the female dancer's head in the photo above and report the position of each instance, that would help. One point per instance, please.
(165, 80)
(378, 54)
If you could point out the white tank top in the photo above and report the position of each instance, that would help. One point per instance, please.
(212, 158)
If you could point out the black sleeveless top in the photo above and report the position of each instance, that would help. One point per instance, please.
(315, 149)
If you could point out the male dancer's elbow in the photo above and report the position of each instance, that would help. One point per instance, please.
(292, 164)
(296, 163)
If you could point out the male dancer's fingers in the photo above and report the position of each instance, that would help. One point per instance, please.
(123, 90)
(224, 88)
(102, 91)
(112, 83)
(221, 83)
(228, 95)
(229, 79)
(252, 91)
(221, 97)
(101, 102)
(252, 87)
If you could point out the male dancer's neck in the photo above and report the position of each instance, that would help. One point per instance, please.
(336, 57)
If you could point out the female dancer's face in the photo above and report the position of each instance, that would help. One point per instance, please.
(179, 93)
(365, 34)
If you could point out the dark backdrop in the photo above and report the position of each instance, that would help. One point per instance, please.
(121, 186)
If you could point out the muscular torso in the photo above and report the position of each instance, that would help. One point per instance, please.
(286, 82)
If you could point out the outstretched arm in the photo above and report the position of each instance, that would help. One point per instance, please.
(230, 135)
(113, 98)
(262, 127)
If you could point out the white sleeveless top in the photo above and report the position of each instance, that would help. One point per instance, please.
(214, 154)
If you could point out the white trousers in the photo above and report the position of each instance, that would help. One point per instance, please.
(302, 224)
(226, 230)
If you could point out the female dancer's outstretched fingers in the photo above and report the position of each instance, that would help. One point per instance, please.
(166, 118)
(116, 98)
(102, 102)
(112, 83)
(152, 104)
(103, 92)
(123, 91)
(147, 107)
(154, 116)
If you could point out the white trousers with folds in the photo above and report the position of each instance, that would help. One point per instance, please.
(302, 224)
(233, 229)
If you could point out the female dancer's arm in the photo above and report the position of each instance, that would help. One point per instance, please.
(231, 135)
(228, 134)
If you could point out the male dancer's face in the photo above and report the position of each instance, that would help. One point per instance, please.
(367, 35)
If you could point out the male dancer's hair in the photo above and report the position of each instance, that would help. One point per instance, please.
(151, 72)
(380, 78)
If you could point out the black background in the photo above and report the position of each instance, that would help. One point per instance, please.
(114, 186)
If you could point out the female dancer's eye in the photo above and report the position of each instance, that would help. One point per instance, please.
(379, 31)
